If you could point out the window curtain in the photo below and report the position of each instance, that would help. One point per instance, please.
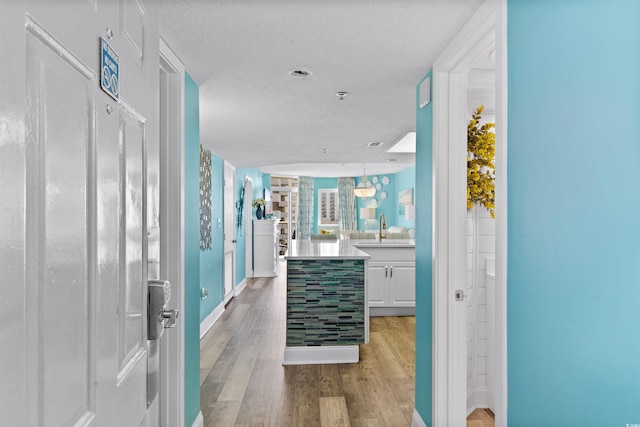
(347, 203)
(304, 226)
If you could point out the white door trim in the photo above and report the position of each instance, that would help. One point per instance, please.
(248, 228)
(484, 31)
(172, 220)
(233, 292)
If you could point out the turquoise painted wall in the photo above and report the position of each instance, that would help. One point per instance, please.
(260, 181)
(389, 206)
(573, 236)
(211, 261)
(191, 317)
(423, 201)
(402, 180)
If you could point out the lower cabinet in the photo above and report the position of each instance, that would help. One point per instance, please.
(391, 281)
(392, 284)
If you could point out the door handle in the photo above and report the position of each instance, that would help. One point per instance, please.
(391, 271)
(233, 241)
(386, 271)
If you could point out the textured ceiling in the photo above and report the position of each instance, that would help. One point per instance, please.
(253, 114)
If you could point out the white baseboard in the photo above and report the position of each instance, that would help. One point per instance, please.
(321, 355)
(208, 322)
(477, 397)
(417, 421)
(240, 286)
(199, 421)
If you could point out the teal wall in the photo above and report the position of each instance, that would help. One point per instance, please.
(211, 261)
(260, 181)
(423, 201)
(191, 315)
(573, 236)
(389, 206)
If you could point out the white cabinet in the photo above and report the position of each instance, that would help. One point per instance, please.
(265, 247)
(391, 281)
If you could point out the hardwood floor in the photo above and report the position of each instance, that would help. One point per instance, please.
(244, 384)
(481, 418)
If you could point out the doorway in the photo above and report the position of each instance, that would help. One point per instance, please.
(229, 232)
(484, 32)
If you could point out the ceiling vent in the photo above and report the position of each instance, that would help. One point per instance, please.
(373, 144)
(300, 73)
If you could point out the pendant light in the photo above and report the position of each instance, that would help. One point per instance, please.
(365, 188)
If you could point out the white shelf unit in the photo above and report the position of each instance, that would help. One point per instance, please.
(284, 197)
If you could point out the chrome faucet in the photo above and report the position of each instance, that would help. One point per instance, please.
(382, 231)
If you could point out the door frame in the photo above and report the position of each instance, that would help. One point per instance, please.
(248, 227)
(485, 30)
(233, 292)
(171, 404)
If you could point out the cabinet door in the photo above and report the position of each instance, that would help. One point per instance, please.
(402, 284)
(377, 284)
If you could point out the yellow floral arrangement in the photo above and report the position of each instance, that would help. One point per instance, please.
(258, 202)
(481, 151)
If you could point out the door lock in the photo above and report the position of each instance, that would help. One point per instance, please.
(459, 295)
(159, 317)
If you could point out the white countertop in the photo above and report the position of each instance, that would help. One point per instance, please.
(385, 243)
(332, 249)
(342, 249)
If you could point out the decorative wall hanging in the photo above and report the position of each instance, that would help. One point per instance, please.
(481, 151)
(240, 205)
(205, 199)
(405, 197)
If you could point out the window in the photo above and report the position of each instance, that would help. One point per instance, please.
(328, 208)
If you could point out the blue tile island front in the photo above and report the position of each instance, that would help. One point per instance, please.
(327, 310)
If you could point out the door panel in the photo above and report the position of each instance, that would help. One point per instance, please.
(132, 289)
(58, 271)
(402, 290)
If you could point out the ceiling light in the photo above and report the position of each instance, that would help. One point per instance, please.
(365, 188)
(341, 95)
(300, 73)
(407, 144)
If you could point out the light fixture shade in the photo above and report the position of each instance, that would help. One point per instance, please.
(410, 212)
(367, 213)
(364, 189)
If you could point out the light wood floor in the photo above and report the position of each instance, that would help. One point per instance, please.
(243, 382)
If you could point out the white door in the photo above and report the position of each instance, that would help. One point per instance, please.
(229, 231)
(248, 227)
(75, 212)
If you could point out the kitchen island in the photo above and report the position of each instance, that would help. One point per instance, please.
(327, 310)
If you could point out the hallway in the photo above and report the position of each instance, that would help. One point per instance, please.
(243, 382)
